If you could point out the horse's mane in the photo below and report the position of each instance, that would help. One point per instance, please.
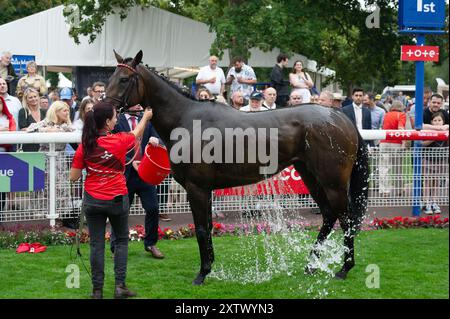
(177, 88)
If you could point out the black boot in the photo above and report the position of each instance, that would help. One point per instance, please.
(122, 292)
(97, 294)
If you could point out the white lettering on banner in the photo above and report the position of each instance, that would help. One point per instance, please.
(426, 7)
(291, 173)
(6, 172)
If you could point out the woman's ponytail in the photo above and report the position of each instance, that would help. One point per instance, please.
(90, 133)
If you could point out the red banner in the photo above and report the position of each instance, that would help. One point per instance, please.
(288, 181)
(416, 135)
(420, 53)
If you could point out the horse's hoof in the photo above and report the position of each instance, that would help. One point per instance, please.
(341, 275)
(310, 270)
(198, 281)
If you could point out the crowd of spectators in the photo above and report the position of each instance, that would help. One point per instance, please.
(367, 110)
(31, 107)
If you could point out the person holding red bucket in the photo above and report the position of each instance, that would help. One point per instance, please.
(102, 154)
(141, 186)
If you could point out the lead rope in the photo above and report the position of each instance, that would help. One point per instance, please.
(79, 232)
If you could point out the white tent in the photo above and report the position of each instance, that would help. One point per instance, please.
(62, 81)
(169, 41)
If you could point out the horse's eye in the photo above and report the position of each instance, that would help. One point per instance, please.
(123, 80)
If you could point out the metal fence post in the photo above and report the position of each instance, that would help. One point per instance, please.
(52, 154)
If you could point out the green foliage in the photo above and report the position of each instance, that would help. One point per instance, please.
(53, 78)
(11, 10)
(334, 33)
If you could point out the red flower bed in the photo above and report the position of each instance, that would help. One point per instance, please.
(432, 221)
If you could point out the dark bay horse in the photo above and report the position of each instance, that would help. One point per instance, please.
(322, 144)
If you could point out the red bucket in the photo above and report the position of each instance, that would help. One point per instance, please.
(155, 165)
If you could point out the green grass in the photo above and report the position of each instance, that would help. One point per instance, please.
(413, 263)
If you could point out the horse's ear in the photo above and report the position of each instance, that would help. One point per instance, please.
(118, 57)
(137, 59)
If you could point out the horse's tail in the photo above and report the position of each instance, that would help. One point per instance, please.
(359, 185)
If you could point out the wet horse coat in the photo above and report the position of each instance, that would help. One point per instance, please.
(322, 144)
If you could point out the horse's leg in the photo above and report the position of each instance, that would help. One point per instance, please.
(200, 202)
(319, 196)
(349, 242)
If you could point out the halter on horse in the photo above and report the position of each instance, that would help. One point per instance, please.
(310, 137)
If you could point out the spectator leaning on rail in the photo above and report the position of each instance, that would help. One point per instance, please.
(57, 120)
(13, 103)
(241, 77)
(212, 77)
(391, 159)
(31, 80)
(278, 82)
(435, 168)
(103, 155)
(435, 106)
(29, 114)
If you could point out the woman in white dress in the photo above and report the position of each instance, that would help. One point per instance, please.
(301, 81)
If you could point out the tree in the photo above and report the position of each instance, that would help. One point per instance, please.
(334, 33)
(11, 10)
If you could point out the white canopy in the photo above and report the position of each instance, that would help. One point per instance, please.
(169, 41)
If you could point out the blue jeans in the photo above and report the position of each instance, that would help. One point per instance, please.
(96, 212)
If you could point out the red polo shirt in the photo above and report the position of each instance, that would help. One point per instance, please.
(394, 120)
(106, 165)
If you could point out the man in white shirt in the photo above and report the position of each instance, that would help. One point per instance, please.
(212, 77)
(12, 102)
(255, 105)
(270, 96)
(359, 115)
(241, 77)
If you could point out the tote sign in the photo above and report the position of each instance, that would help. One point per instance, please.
(22, 172)
(420, 53)
(421, 14)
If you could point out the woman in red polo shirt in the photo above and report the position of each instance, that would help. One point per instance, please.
(102, 154)
(391, 160)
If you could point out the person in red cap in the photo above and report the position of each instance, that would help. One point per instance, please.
(103, 154)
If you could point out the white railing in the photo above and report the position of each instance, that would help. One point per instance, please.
(391, 184)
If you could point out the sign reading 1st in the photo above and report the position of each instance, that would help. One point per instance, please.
(422, 14)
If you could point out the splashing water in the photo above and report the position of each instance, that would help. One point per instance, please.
(276, 243)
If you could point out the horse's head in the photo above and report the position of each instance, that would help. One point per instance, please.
(126, 87)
